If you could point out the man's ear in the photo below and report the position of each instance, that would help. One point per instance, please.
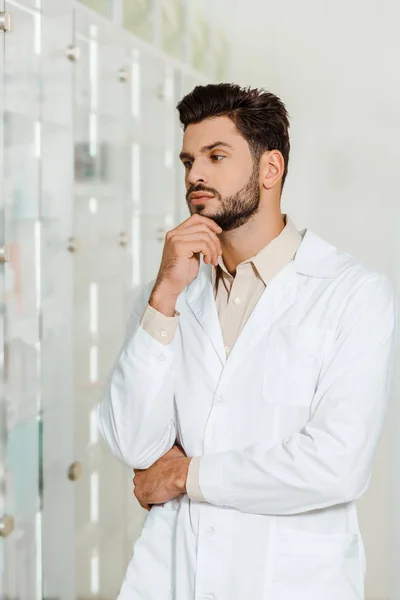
(272, 166)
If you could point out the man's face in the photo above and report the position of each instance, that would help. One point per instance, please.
(220, 175)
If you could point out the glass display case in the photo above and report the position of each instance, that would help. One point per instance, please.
(90, 183)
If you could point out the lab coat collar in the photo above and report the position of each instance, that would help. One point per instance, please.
(315, 258)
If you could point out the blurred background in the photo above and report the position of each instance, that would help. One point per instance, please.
(90, 182)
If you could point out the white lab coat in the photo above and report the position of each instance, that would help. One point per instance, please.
(287, 427)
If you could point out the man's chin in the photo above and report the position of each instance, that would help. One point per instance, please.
(206, 211)
(202, 210)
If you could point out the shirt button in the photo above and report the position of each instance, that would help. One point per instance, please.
(210, 531)
(227, 349)
(163, 333)
(236, 301)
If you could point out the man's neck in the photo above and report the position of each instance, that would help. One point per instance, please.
(247, 241)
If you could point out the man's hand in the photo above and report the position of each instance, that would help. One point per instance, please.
(180, 261)
(164, 480)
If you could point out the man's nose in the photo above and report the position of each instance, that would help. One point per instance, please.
(197, 174)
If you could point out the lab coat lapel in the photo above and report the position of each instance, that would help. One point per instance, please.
(200, 298)
(275, 300)
(278, 296)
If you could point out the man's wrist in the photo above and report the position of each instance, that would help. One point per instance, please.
(179, 472)
(163, 302)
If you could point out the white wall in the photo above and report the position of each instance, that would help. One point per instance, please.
(337, 68)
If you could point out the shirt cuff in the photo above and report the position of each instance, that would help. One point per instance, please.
(192, 481)
(159, 326)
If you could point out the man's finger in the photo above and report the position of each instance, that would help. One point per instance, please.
(195, 218)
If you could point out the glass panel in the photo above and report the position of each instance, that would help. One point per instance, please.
(22, 61)
(182, 86)
(102, 286)
(58, 540)
(101, 6)
(138, 17)
(199, 36)
(158, 123)
(28, 4)
(172, 15)
(22, 436)
(220, 56)
(153, 230)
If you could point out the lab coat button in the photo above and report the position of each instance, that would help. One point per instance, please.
(210, 531)
(160, 358)
(219, 399)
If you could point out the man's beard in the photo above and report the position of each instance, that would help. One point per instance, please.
(234, 210)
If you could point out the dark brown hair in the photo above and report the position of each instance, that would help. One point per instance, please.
(260, 116)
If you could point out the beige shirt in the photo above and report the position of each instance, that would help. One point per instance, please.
(235, 299)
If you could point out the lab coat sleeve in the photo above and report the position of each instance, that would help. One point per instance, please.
(329, 460)
(136, 413)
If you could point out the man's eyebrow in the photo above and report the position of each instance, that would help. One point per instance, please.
(206, 149)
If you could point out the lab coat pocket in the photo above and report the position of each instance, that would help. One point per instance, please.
(300, 542)
(311, 566)
(292, 365)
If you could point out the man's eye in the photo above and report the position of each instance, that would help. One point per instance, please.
(187, 164)
(217, 157)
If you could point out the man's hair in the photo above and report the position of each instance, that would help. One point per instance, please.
(260, 116)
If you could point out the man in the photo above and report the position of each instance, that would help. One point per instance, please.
(251, 389)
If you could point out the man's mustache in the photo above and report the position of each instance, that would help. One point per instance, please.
(201, 188)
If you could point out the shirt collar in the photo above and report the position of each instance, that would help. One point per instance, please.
(274, 256)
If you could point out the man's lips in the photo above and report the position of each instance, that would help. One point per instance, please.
(199, 198)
